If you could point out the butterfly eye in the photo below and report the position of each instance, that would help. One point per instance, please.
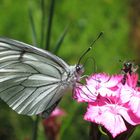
(79, 69)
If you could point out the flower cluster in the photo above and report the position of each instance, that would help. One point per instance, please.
(111, 102)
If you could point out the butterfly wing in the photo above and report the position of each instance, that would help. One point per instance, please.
(45, 114)
(30, 78)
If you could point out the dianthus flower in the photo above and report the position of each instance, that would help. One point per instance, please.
(111, 102)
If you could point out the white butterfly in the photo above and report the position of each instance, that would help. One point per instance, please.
(33, 80)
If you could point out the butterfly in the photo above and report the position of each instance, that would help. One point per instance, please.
(33, 80)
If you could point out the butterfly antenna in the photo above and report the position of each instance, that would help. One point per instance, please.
(91, 45)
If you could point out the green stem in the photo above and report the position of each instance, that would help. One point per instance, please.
(94, 134)
(48, 36)
(35, 128)
(43, 19)
(34, 36)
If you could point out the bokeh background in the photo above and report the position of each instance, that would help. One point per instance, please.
(120, 22)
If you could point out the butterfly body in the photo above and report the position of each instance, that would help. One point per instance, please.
(33, 80)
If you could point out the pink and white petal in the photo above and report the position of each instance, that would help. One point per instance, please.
(98, 78)
(85, 94)
(132, 80)
(92, 114)
(113, 81)
(78, 95)
(103, 91)
(138, 89)
(126, 94)
(104, 116)
(135, 105)
(129, 116)
(110, 121)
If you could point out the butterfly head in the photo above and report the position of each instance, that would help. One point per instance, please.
(79, 69)
(75, 73)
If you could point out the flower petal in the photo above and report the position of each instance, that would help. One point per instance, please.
(135, 105)
(126, 93)
(103, 91)
(85, 93)
(102, 115)
(111, 121)
(130, 117)
(132, 80)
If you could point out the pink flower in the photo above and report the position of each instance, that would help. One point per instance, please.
(57, 112)
(110, 102)
(109, 114)
(52, 124)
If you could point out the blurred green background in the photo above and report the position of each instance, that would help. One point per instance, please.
(86, 19)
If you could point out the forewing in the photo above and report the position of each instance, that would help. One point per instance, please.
(30, 78)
